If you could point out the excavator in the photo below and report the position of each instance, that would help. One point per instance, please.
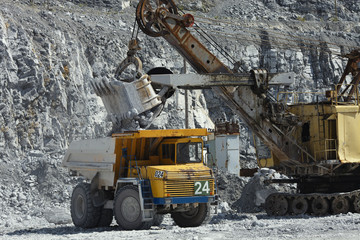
(316, 144)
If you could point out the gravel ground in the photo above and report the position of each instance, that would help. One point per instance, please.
(223, 226)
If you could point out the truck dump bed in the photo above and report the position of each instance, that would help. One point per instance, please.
(109, 157)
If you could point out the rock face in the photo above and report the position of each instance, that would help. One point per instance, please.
(45, 95)
(49, 50)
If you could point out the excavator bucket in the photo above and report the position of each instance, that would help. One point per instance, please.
(126, 100)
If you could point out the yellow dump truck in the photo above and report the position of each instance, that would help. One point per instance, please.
(139, 176)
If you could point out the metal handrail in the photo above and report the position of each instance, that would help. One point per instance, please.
(335, 100)
(296, 96)
(327, 148)
(136, 166)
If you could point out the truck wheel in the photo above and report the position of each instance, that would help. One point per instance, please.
(106, 218)
(83, 212)
(192, 218)
(158, 219)
(127, 209)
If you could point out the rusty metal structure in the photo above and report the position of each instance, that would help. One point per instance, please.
(314, 143)
(353, 67)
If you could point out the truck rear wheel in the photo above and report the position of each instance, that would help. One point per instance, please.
(192, 218)
(127, 209)
(83, 212)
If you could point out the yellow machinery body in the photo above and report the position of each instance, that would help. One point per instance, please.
(171, 160)
(139, 176)
(329, 132)
(157, 155)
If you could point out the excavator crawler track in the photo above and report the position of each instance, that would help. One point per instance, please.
(318, 204)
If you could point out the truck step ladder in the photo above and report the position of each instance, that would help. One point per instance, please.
(148, 209)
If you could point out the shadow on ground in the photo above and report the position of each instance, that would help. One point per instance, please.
(61, 230)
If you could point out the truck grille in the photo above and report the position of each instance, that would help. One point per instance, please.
(188, 174)
(184, 188)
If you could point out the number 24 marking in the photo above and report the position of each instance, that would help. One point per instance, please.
(201, 188)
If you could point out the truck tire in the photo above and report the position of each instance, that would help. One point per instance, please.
(127, 209)
(192, 218)
(83, 212)
(106, 218)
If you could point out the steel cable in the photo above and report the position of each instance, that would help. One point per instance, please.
(282, 45)
(212, 42)
(269, 30)
(284, 39)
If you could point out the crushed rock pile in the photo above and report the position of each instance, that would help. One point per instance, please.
(247, 194)
(256, 190)
(230, 186)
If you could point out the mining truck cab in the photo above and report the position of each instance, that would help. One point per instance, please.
(181, 151)
(181, 177)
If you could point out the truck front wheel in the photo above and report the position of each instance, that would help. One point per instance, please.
(127, 209)
(83, 212)
(192, 218)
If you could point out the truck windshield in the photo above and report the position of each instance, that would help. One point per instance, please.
(189, 152)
